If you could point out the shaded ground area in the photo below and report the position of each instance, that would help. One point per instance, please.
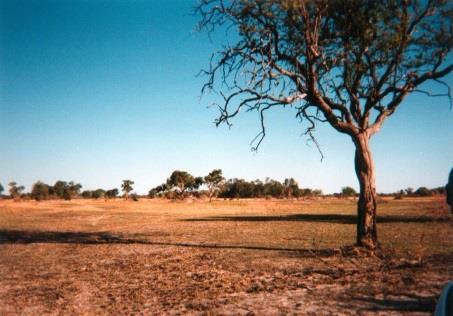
(155, 257)
(27, 237)
(329, 218)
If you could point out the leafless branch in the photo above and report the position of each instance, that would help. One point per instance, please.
(342, 61)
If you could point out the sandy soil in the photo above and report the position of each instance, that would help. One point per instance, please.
(227, 257)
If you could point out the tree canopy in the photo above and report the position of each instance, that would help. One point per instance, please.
(213, 181)
(113, 193)
(348, 191)
(349, 63)
(15, 191)
(40, 191)
(182, 181)
(65, 190)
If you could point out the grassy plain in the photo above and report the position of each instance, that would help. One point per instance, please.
(226, 257)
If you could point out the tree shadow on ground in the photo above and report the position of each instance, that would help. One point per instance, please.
(407, 303)
(327, 218)
(27, 237)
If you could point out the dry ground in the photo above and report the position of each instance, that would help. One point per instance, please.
(225, 257)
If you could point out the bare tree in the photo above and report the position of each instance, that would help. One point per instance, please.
(347, 63)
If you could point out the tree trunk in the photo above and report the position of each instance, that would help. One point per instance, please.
(366, 208)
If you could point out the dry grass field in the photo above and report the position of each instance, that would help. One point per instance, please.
(250, 257)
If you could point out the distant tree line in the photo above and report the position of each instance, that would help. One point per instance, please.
(289, 188)
(61, 189)
(420, 192)
(66, 191)
(182, 184)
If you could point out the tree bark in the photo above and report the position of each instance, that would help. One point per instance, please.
(366, 208)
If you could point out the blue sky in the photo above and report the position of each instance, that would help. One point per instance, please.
(100, 91)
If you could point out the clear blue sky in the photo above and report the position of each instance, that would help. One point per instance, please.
(100, 91)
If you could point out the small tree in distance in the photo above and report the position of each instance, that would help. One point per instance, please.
(40, 191)
(111, 194)
(213, 181)
(15, 191)
(346, 63)
(66, 190)
(348, 191)
(1, 189)
(126, 187)
(59, 188)
(423, 191)
(183, 181)
(87, 194)
(98, 193)
(291, 188)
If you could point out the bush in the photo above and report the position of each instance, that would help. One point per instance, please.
(348, 191)
(423, 191)
(97, 194)
(152, 193)
(111, 194)
(40, 191)
(66, 190)
(66, 195)
(87, 194)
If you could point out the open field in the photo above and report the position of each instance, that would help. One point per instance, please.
(229, 257)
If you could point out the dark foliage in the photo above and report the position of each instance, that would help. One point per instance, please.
(111, 194)
(40, 191)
